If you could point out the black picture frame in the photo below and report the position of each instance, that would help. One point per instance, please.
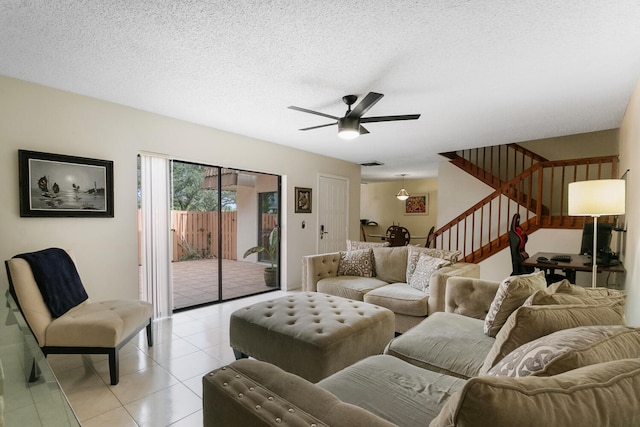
(56, 185)
(303, 200)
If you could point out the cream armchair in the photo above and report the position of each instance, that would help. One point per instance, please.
(87, 328)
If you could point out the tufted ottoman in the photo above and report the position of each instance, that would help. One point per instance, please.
(311, 334)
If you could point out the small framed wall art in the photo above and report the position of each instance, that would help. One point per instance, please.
(55, 185)
(417, 204)
(303, 200)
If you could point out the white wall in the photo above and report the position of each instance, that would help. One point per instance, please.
(37, 118)
(630, 159)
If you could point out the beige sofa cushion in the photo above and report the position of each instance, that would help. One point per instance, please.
(570, 349)
(392, 389)
(350, 287)
(400, 298)
(604, 394)
(391, 264)
(356, 263)
(446, 343)
(513, 291)
(531, 322)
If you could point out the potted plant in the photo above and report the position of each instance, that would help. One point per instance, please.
(270, 273)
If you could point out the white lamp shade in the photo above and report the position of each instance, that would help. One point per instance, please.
(402, 195)
(597, 197)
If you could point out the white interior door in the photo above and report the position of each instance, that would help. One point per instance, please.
(333, 209)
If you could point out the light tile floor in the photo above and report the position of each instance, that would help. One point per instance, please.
(159, 385)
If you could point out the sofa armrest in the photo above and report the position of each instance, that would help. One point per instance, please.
(469, 297)
(252, 393)
(438, 282)
(317, 267)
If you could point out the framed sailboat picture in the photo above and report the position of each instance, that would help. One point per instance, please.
(55, 185)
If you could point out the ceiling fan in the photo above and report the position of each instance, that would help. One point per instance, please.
(350, 126)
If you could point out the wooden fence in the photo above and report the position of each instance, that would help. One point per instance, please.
(195, 234)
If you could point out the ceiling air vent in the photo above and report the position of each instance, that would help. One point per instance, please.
(372, 163)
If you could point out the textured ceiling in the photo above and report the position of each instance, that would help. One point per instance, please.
(480, 72)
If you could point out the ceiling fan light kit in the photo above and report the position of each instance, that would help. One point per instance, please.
(349, 126)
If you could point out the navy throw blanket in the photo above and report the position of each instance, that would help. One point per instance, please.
(57, 279)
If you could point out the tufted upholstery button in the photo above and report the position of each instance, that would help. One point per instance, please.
(224, 368)
(251, 388)
(291, 411)
(258, 407)
(270, 398)
(225, 384)
(240, 395)
(278, 420)
(291, 322)
(319, 330)
(237, 375)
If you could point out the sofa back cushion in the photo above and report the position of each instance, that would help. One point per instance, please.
(528, 323)
(356, 263)
(604, 394)
(570, 349)
(512, 293)
(391, 264)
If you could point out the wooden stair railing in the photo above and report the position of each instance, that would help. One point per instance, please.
(539, 194)
(495, 165)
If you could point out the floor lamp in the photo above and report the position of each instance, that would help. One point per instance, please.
(596, 198)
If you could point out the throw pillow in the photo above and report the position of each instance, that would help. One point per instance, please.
(415, 252)
(356, 263)
(565, 287)
(529, 323)
(605, 394)
(513, 291)
(543, 298)
(354, 245)
(425, 267)
(570, 349)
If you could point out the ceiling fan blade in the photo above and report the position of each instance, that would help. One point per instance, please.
(320, 126)
(389, 118)
(304, 110)
(363, 130)
(364, 105)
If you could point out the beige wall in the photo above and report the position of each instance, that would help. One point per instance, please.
(378, 203)
(630, 159)
(37, 118)
(593, 144)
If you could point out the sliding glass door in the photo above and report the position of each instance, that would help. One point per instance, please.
(224, 239)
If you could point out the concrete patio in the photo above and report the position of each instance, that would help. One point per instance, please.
(196, 282)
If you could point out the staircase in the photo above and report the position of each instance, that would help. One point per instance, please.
(523, 183)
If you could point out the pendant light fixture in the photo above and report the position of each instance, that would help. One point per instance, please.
(402, 194)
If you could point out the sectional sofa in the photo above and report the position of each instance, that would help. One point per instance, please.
(408, 280)
(557, 356)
